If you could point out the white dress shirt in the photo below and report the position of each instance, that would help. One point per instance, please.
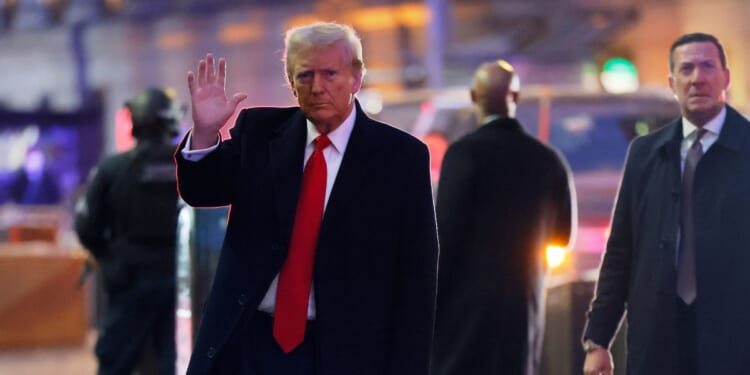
(689, 132)
(333, 154)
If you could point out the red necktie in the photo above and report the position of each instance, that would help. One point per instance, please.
(292, 295)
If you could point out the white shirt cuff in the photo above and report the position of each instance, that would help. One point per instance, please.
(196, 155)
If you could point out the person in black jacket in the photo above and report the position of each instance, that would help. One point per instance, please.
(503, 197)
(128, 220)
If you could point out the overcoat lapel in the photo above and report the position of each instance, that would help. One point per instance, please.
(287, 153)
(352, 173)
(669, 149)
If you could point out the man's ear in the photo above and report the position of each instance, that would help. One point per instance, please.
(670, 78)
(728, 77)
(515, 95)
(357, 84)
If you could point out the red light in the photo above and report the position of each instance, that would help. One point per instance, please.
(123, 130)
(437, 146)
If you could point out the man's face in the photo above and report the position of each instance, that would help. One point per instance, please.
(698, 81)
(324, 83)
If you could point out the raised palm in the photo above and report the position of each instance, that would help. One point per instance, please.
(210, 105)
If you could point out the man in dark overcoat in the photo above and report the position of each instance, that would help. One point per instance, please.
(677, 258)
(503, 198)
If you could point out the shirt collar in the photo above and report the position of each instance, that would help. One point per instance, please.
(713, 126)
(489, 118)
(339, 137)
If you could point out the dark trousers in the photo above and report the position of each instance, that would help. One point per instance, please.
(259, 354)
(137, 316)
(687, 349)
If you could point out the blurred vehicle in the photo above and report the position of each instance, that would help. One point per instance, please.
(591, 129)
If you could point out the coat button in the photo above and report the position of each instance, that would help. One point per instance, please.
(275, 247)
(211, 353)
(242, 300)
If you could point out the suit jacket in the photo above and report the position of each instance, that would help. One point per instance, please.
(376, 260)
(503, 196)
(638, 271)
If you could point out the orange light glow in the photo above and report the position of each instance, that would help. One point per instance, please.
(556, 256)
(413, 15)
(374, 18)
(238, 33)
(175, 39)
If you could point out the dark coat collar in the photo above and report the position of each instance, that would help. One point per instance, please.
(733, 132)
(508, 123)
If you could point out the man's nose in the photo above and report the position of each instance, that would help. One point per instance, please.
(317, 83)
(699, 75)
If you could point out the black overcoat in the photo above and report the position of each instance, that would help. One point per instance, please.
(376, 260)
(503, 197)
(638, 269)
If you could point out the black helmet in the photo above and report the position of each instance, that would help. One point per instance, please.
(155, 112)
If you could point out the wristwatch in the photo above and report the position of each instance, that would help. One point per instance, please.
(589, 345)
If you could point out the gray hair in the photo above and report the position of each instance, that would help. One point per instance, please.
(323, 34)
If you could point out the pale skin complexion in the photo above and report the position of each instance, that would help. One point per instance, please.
(698, 81)
(322, 80)
(699, 84)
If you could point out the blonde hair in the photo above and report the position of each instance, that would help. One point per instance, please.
(323, 34)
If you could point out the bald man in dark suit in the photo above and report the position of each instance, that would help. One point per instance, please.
(503, 197)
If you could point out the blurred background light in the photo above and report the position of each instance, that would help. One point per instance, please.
(641, 127)
(555, 256)
(238, 33)
(619, 76)
(371, 100)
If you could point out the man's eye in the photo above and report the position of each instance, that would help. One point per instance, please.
(304, 76)
(329, 73)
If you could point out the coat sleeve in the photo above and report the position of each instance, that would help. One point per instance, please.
(564, 204)
(92, 214)
(414, 306)
(210, 182)
(608, 306)
(455, 205)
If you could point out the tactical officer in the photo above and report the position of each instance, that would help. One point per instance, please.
(128, 220)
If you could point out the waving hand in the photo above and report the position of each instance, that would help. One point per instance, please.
(210, 105)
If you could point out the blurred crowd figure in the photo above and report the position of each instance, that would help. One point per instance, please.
(330, 256)
(34, 183)
(677, 257)
(503, 197)
(127, 220)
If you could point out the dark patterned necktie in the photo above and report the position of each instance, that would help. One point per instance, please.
(686, 261)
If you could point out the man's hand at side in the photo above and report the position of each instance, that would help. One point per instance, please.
(598, 362)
